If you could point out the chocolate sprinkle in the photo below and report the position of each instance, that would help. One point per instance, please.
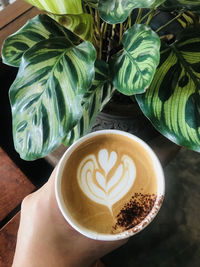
(134, 211)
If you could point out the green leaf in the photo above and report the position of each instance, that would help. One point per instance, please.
(35, 30)
(93, 102)
(46, 95)
(186, 4)
(117, 11)
(92, 3)
(187, 19)
(190, 4)
(58, 6)
(172, 102)
(81, 25)
(133, 68)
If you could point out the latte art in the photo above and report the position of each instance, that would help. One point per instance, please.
(95, 182)
(109, 184)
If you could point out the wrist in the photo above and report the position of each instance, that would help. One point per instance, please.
(40, 255)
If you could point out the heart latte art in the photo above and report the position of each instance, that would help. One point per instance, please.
(109, 184)
(94, 181)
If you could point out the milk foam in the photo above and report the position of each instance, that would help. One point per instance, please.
(92, 176)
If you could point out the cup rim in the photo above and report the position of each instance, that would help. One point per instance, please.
(110, 237)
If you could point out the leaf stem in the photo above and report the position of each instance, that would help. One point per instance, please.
(100, 45)
(120, 32)
(104, 29)
(98, 34)
(150, 16)
(147, 15)
(128, 23)
(97, 20)
(113, 30)
(139, 15)
(91, 11)
(166, 24)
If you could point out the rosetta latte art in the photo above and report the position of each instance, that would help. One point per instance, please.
(93, 179)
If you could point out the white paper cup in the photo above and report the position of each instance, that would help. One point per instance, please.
(109, 237)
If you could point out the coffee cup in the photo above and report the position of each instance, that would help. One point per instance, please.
(109, 185)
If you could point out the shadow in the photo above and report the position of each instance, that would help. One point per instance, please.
(37, 171)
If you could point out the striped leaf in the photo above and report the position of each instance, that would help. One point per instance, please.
(58, 6)
(133, 68)
(35, 30)
(81, 25)
(172, 102)
(93, 102)
(186, 4)
(187, 19)
(116, 11)
(46, 95)
(190, 4)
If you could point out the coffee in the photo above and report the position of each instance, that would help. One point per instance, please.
(109, 184)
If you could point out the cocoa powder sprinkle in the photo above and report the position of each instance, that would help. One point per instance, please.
(134, 211)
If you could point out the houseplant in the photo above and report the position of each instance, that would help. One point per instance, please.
(75, 56)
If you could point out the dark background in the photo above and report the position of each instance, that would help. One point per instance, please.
(37, 171)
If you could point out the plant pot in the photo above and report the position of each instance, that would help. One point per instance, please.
(124, 114)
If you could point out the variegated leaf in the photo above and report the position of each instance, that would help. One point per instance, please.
(93, 102)
(189, 2)
(81, 25)
(172, 102)
(133, 68)
(116, 11)
(187, 19)
(58, 6)
(35, 30)
(46, 95)
(186, 4)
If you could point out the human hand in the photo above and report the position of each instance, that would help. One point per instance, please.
(45, 239)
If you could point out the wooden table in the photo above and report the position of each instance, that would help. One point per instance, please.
(14, 186)
(13, 17)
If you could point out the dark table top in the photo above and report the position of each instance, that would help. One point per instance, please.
(173, 238)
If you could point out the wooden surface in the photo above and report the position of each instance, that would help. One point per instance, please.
(13, 17)
(8, 235)
(14, 186)
(7, 15)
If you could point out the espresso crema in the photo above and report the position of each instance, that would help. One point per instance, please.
(109, 184)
